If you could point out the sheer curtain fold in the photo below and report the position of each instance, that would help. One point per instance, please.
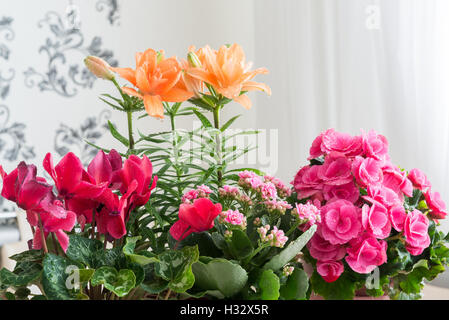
(331, 68)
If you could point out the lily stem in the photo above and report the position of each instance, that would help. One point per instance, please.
(216, 113)
(130, 130)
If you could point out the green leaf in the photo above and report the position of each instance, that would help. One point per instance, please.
(22, 293)
(120, 282)
(269, 285)
(220, 274)
(295, 247)
(296, 286)
(23, 274)
(117, 134)
(229, 122)
(28, 256)
(175, 266)
(204, 241)
(128, 250)
(341, 289)
(240, 245)
(85, 274)
(83, 249)
(206, 123)
(108, 258)
(54, 278)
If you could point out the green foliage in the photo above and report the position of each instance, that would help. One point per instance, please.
(83, 249)
(269, 285)
(296, 286)
(223, 275)
(240, 245)
(341, 289)
(23, 274)
(294, 248)
(120, 282)
(54, 278)
(175, 266)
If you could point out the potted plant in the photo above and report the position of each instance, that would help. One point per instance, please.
(378, 232)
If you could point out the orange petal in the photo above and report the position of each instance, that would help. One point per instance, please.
(202, 75)
(153, 106)
(230, 92)
(150, 57)
(131, 92)
(126, 73)
(142, 80)
(251, 86)
(176, 95)
(251, 74)
(244, 101)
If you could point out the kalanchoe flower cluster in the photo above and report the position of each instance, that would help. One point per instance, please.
(282, 190)
(84, 196)
(202, 191)
(288, 270)
(229, 192)
(307, 214)
(233, 218)
(277, 206)
(362, 199)
(275, 238)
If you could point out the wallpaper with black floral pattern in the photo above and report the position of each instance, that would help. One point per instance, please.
(61, 73)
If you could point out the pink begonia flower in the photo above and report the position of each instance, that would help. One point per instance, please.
(341, 142)
(196, 217)
(375, 220)
(367, 171)
(330, 271)
(419, 179)
(340, 221)
(323, 250)
(381, 194)
(397, 217)
(435, 204)
(336, 170)
(348, 191)
(315, 149)
(306, 182)
(415, 231)
(71, 180)
(397, 181)
(365, 253)
(374, 145)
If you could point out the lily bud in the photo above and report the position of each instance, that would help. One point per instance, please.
(160, 55)
(193, 59)
(99, 67)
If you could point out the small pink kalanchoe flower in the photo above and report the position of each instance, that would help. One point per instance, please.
(308, 214)
(233, 217)
(229, 192)
(277, 206)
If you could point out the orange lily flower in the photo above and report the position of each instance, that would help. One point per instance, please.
(158, 80)
(227, 71)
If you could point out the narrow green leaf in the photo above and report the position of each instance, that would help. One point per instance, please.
(117, 134)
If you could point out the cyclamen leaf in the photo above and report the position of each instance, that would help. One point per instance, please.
(120, 282)
(54, 278)
(83, 249)
(28, 256)
(21, 276)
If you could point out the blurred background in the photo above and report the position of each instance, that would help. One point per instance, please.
(346, 64)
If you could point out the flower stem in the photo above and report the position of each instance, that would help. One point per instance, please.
(41, 228)
(130, 131)
(296, 225)
(218, 144)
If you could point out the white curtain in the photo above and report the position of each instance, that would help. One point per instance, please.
(352, 64)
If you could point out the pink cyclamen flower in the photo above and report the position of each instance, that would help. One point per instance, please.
(435, 204)
(306, 182)
(348, 191)
(330, 271)
(341, 142)
(366, 253)
(374, 145)
(419, 179)
(233, 217)
(308, 213)
(367, 171)
(323, 250)
(415, 231)
(340, 221)
(375, 220)
(336, 170)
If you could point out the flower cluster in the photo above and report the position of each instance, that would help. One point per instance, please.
(275, 238)
(159, 79)
(363, 200)
(308, 215)
(87, 196)
(202, 191)
(233, 218)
